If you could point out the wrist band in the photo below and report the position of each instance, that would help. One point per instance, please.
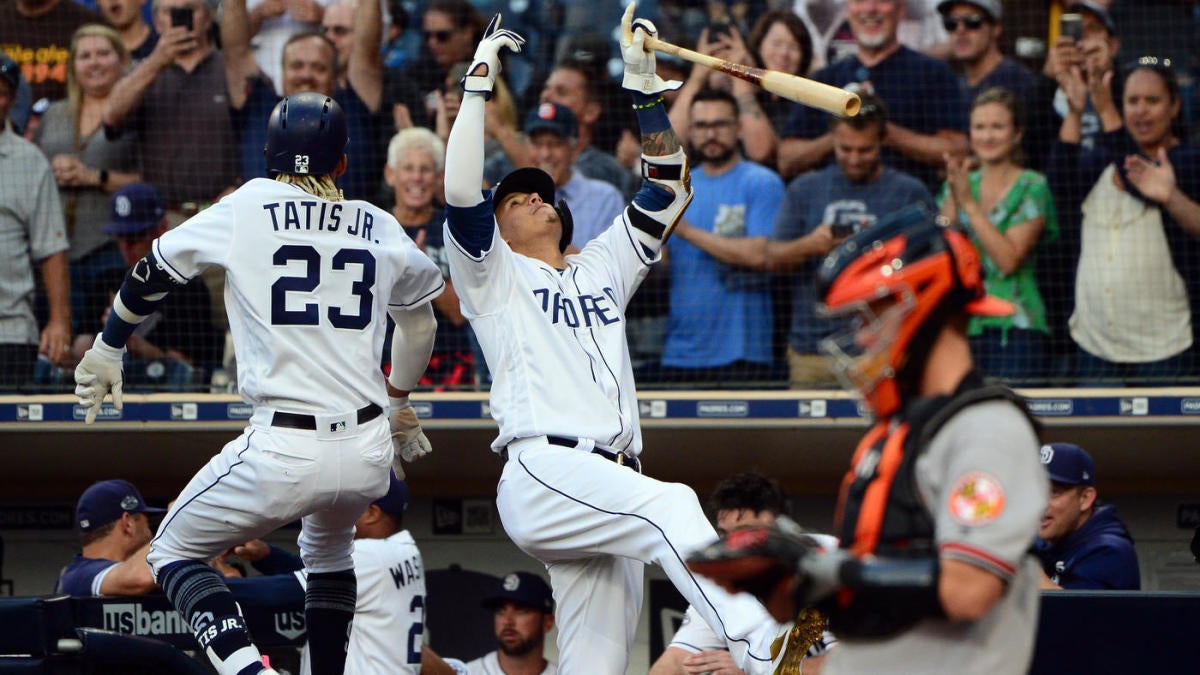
(647, 106)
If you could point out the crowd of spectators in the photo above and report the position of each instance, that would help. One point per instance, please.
(1072, 167)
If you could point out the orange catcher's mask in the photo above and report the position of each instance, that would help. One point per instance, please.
(900, 281)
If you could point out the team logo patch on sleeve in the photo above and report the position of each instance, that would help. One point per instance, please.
(977, 498)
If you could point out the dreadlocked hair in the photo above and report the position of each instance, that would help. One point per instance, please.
(317, 186)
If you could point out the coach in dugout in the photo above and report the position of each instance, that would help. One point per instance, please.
(114, 530)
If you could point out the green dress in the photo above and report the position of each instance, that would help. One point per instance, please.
(1028, 198)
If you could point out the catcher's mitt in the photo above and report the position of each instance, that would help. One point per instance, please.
(761, 561)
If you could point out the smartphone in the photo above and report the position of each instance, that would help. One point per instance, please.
(1071, 25)
(842, 230)
(718, 27)
(181, 16)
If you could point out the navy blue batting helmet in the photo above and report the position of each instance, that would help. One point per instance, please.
(306, 135)
(533, 180)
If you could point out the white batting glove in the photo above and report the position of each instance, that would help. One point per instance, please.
(488, 55)
(640, 65)
(98, 373)
(408, 439)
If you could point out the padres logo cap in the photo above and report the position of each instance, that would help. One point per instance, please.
(1068, 464)
(136, 208)
(523, 588)
(105, 501)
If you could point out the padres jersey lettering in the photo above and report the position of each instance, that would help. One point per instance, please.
(555, 339)
(295, 263)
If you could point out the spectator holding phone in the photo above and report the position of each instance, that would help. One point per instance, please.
(1137, 284)
(779, 41)
(1008, 210)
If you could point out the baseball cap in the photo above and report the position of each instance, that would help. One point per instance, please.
(136, 208)
(396, 499)
(10, 72)
(1068, 464)
(992, 8)
(530, 180)
(105, 501)
(1095, 9)
(525, 588)
(553, 117)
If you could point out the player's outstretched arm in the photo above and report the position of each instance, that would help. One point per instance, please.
(145, 287)
(464, 149)
(667, 189)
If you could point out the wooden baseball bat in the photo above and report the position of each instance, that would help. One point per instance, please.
(792, 87)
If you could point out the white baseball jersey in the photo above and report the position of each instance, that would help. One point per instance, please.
(307, 283)
(389, 615)
(555, 341)
(489, 664)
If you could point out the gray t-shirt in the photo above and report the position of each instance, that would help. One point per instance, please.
(31, 229)
(983, 483)
(826, 196)
(56, 136)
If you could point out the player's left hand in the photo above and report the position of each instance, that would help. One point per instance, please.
(98, 373)
(640, 66)
(408, 439)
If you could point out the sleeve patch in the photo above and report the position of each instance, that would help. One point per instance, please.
(977, 499)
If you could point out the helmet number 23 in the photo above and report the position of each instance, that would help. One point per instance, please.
(310, 277)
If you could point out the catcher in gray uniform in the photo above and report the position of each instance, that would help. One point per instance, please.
(943, 498)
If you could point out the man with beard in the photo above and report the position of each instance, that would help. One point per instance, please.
(720, 322)
(524, 613)
(819, 210)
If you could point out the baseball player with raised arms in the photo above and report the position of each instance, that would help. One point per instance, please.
(552, 330)
(308, 280)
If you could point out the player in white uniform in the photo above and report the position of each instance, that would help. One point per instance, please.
(308, 278)
(389, 619)
(552, 330)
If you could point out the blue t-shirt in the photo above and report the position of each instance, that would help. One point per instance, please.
(720, 314)
(826, 196)
(921, 93)
(80, 577)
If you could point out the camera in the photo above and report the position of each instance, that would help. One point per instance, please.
(1071, 25)
(181, 16)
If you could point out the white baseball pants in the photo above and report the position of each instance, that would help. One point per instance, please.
(271, 476)
(595, 524)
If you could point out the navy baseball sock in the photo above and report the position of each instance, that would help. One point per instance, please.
(205, 602)
(329, 599)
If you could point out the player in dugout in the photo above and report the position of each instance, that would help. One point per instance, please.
(941, 506)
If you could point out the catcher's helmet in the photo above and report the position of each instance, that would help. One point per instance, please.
(306, 135)
(532, 180)
(902, 278)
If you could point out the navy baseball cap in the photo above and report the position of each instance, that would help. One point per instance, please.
(1068, 464)
(992, 8)
(525, 588)
(10, 72)
(136, 208)
(552, 117)
(105, 501)
(396, 499)
(1095, 9)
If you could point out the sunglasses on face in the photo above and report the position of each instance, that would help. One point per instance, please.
(437, 35)
(972, 22)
